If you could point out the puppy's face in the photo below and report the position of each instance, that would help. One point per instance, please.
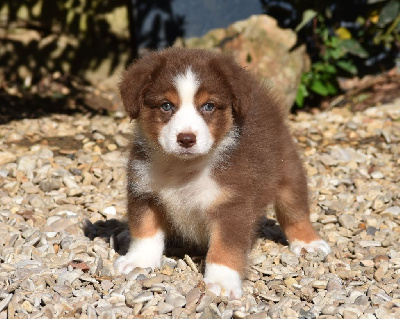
(184, 115)
(184, 106)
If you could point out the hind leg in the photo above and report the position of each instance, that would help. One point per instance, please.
(293, 214)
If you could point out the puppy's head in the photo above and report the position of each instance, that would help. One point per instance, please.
(186, 101)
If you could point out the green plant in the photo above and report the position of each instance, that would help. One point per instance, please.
(374, 35)
(387, 25)
(334, 55)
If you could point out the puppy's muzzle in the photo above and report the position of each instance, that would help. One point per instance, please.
(186, 140)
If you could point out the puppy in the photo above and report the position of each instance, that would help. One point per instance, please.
(211, 151)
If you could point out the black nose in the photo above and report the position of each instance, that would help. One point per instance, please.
(186, 140)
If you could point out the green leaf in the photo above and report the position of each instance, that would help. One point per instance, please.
(375, 1)
(299, 98)
(319, 87)
(353, 47)
(330, 69)
(348, 66)
(317, 67)
(389, 12)
(306, 78)
(308, 15)
(335, 53)
(331, 88)
(302, 93)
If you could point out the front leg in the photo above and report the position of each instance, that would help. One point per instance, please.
(147, 237)
(226, 260)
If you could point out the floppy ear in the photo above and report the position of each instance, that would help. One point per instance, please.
(239, 81)
(135, 80)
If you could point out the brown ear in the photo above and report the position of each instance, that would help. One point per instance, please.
(135, 80)
(239, 81)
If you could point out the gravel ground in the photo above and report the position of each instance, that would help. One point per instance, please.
(61, 227)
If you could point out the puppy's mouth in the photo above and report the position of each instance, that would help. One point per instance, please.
(186, 153)
(187, 156)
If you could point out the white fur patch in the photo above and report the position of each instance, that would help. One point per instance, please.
(187, 200)
(297, 245)
(186, 120)
(187, 85)
(142, 176)
(143, 252)
(225, 146)
(223, 281)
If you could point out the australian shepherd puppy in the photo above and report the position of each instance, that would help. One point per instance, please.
(211, 151)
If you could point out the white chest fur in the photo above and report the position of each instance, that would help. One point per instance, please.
(186, 193)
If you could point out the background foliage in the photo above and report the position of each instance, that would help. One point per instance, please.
(72, 36)
(344, 39)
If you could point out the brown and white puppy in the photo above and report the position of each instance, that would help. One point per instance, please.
(211, 151)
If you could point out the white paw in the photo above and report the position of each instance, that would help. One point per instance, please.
(297, 245)
(223, 281)
(143, 252)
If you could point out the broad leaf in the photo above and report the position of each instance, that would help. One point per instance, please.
(308, 15)
(353, 47)
(330, 88)
(319, 87)
(302, 93)
(347, 66)
(329, 68)
(389, 12)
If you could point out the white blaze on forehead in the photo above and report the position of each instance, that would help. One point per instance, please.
(186, 119)
(187, 85)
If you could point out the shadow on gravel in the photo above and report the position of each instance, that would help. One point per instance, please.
(55, 95)
(34, 106)
(269, 229)
(116, 233)
(113, 231)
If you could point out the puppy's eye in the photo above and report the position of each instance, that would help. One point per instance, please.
(167, 106)
(207, 107)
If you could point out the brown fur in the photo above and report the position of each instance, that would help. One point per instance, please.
(263, 168)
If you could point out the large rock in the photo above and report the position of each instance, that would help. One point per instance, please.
(261, 46)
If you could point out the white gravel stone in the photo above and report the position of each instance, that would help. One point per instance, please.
(164, 307)
(395, 210)
(67, 276)
(26, 163)
(175, 299)
(143, 297)
(204, 302)
(347, 221)
(289, 260)
(7, 157)
(5, 301)
(109, 211)
(369, 243)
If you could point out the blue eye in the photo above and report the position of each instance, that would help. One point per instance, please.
(167, 107)
(207, 107)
